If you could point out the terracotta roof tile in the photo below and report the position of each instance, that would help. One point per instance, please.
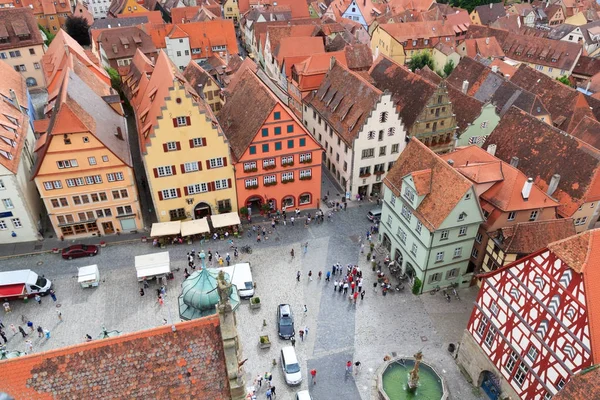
(403, 32)
(296, 47)
(125, 41)
(345, 100)
(488, 13)
(447, 188)
(584, 385)
(544, 151)
(197, 76)
(24, 18)
(588, 130)
(560, 100)
(480, 166)
(160, 363)
(319, 63)
(528, 237)
(471, 71)
(587, 66)
(13, 123)
(410, 92)
(299, 9)
(154, 17)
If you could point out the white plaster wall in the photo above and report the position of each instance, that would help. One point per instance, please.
(182, 45)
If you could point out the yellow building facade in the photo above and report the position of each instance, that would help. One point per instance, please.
(185, 154)
(383, 43)
(231, 10)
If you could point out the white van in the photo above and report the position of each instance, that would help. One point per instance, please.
(290, 366)
(241, 277)
(22, 283)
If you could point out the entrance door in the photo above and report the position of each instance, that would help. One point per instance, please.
(362, 190)
(128, 224)
(376, 189)
(108, 228)
(490, 385)
(253, 204)
(386, 242)
(201, 210)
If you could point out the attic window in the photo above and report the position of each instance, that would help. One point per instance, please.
(462, 216)
(347, 112)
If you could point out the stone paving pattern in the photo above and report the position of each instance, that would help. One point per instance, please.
(338, 330)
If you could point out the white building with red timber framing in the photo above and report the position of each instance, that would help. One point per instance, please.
(536, 322)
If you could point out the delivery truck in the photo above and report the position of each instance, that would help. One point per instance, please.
(21, 284)
(241, 277)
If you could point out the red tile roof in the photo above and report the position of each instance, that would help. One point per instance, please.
(485, 47)
(480, 166)
(403, 32)
(588, 130)
(528, 237)
(584, 385)
(345, 100)
(582, 254)
(544, 151)
(299, 8)
(123, 42)
(24, 19)
(154, 17)
(488, 13)
(11, 132)
(156, 363)
(448, 187)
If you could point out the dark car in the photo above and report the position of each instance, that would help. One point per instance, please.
(79, 250)
(285, 321)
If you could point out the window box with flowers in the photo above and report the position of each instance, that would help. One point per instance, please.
(255, 169)
(365, 175)
(306, 178)
(287, 181)
(287, 164)
(268, 167)
(306, 161)
(252, 187)
(270, 183)
(379, 172)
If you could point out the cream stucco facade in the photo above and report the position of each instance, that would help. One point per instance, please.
(189, 170)
(383, 43)
(231, 10)
(27, 61)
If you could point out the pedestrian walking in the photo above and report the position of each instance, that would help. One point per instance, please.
(355, 296)
(220, 261)
(346, 288)
(47, 333)
(310, 275)
(40, 331)
(209, 257)
(301, 333)
(146, 284)
(161, 301)
(29, 344)
(313, 373)
(273, 223)
(1, 324)
(228, 259)
(293, 340)
(298, 276)
(53, 294)
(163, 280)
(348, 368)
(292, 220)
(292, 253)
(59, 313)
(356, 367)
(142, 292)
(335, 285)
(269, 395)
(319, 275)
(305, 247)
(353, 286)
(327, 276)
(22, 331)
(362, 248)
(7, 307)
(3, 335)
(30, 326)
(273, 391)
(259, 380)
(362, 295)
(163, 291)
(264, 232)
(38, 299)
(13, 328)
(258, 238)
(88, 338)
(345, 205)
(305, 309)
(305, 331)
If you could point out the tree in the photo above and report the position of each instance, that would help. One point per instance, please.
(421, 60)
(565, 80)
(78, 28)
(115, 79)
(49, 36)
(448, 68)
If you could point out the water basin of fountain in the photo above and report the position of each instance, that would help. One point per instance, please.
(393, 382)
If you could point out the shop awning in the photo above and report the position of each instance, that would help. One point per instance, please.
(165, 228)
(228, 219)
(194, 227)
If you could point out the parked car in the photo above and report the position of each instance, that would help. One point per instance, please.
(285, 321)
(374, 215)
(79, 250)
(303, 395)
(290, 366)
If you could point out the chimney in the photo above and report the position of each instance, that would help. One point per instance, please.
(494, 68)
(492, 149)
(514, 162)
(490, 6)
(119, 133)
(13, 97)
(527, 189)
(451, 163)
(487, 40)
(587, 87)
(553, 184)
(465, 87)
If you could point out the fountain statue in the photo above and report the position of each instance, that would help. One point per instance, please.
(413, 380)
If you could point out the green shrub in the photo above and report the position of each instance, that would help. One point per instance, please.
(244, 210)
(255, 300)
(416, 289)
(264, 339)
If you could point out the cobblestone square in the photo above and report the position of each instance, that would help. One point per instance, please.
(338, 330)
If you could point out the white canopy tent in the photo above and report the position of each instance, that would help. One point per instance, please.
(194, 227)
(151, 265)
(228, 219)
(165, 228)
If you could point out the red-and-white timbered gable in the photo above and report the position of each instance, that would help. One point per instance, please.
(531, 321)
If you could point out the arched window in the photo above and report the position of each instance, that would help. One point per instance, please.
(31, 82)
(304, 198)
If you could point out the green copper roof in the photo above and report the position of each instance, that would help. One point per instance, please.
(199, 294)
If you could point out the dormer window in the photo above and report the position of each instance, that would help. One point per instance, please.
(409, 194)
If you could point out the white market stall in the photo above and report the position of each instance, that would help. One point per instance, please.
(224, 220)
(88, 276)
(151, 266)
(165, 228)
(194, 227)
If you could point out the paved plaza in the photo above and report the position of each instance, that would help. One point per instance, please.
(337, 329)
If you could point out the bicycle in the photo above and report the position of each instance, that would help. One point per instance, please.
(434, 290)
(246, 249)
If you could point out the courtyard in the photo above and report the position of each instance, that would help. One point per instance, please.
(338, 330)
